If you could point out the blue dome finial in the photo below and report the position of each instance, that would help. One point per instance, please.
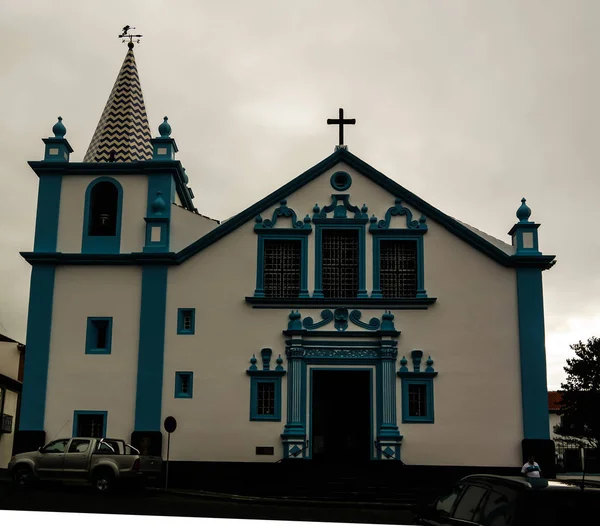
(186, 179)
(523, 212)
(59, 129)
(165, 129)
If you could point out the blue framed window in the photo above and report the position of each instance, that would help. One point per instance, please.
(265, 387)
(99, 335)
(184, 385)
(340, 259)
(265, 398)
(186, 321)
(281, 270)
(102, 217)
(398, 264)
(417, 400)
(90, 423)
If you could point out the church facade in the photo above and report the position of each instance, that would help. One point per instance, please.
(339, 318)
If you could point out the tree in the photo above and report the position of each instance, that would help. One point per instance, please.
(580, 403)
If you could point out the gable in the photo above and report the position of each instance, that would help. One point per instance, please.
(493, 248)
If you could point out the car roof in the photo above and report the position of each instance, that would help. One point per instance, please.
(530, 484)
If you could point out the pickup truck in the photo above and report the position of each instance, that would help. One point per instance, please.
(101, 461)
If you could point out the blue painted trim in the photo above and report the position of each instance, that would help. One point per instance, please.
(339, 224)
(92, 336)
(340, 181)
(372, 412)
(149, 168)
(162, 245)
(518, 231)
(39, 328)
(398, 235)
(532, 354)
(279, 234)
(406, 417)
(178, 379)
(395, 211)
(148, 403)
(349, 303)
(79, 412)
(180, 325)
(57, 150)
(255, 379)
(282, 211)
(48, 212)
(102, 244)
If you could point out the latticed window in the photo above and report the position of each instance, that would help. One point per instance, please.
(340, 263)
(266, 398)
(398, 269)
(282, 268)
(417, 400)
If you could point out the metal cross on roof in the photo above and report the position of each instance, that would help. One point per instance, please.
(124, 36)
(341, 121)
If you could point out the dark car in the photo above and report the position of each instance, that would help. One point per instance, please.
(491, 500)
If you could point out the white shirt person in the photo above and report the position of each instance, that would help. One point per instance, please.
(531, 469)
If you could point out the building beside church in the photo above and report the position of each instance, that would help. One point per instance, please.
(11, 378)
(341, 317)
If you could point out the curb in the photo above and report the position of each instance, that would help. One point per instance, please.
(285, 500)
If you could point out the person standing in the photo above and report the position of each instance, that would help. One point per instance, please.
(531, 469)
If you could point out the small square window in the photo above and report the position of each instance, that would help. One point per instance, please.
(417, 400)
(99, 336)
(265, 398)
(186, 321)
(89, 424)
(184, 385)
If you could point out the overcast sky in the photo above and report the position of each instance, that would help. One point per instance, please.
(469, 104)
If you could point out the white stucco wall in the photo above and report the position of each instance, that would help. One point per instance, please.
(187, 227)
(79, 381)
(471, 334)
(9, 359)
(554, 421)
(72, 203)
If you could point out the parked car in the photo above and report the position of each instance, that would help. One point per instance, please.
(491, 500)
(102, 461)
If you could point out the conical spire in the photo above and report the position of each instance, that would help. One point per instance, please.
(123, 133)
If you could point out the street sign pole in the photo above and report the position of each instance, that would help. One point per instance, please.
(170, 425)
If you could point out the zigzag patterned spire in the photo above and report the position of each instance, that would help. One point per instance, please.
(123, 133)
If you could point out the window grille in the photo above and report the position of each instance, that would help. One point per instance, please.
(417, 400)
(266, 398)
(282, 269)
(90, 425)
(398, 269)
(187, 320)
(340, 263)
(185, 384)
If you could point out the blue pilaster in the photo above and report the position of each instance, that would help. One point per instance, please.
(533, 354)
(151, 348)
(39, 327)
(531, 328)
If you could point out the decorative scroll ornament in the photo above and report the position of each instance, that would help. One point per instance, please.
(340, 207)
(282, 211)
(398, 210)
(340, 318)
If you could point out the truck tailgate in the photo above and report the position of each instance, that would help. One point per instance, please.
(150, 464)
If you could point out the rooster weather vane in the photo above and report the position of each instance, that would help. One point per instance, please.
(124, 36)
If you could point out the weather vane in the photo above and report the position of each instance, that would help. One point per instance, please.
(124, 36)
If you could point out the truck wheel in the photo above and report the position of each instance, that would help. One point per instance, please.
(23, 477)
(103, 481)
